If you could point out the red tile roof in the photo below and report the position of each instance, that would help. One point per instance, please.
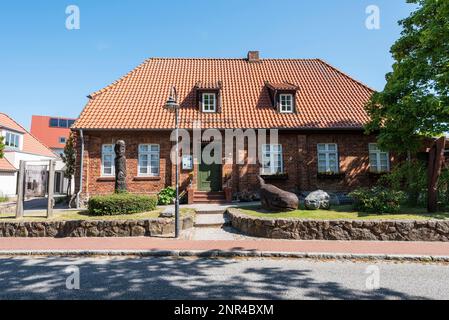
(326, 97)
(30, 143)
(282, 86)
(6, 166)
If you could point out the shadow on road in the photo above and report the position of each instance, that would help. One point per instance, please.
(167, 278)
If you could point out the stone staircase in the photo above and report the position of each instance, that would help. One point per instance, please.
(209, 197)
(211, 218)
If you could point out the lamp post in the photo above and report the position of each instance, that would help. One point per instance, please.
(173, 105)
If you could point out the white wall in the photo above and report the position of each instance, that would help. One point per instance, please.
(15, 157)
(8, 182)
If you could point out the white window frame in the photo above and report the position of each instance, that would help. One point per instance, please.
(62, 138)
(103, 155)
(209, 107)
(274, 150)
(17, 138)
(374, 150)
(149, 153)
(327, 152)
(286, 108)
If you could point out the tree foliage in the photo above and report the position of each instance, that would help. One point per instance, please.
(415, 100)
(69, 158)
(2, 147)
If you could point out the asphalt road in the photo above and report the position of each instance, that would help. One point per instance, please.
(169, 278)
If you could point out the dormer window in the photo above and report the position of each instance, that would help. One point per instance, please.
(209, 102)
(282, 96)
(286, 103)
(208, 96)
(12, 140)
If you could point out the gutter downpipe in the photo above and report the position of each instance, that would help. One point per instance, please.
(81, 170)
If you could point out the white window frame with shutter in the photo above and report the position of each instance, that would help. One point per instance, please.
(328, 159)
(209, 102)
(379, 161)
(285, 103)
(272, 161)
(149, 158)
(107, 156)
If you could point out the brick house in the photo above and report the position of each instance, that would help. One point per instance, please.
(317, 109)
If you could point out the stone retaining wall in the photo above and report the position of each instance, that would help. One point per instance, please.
(85, 228)
(381, 230)
(8, 208)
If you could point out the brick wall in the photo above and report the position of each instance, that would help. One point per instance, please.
(299, 157)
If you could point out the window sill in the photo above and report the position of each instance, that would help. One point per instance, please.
(274, 177)
(378, 173)
(330, 176)
(106, 179)
(142, 178)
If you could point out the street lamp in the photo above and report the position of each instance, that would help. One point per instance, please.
(173, 106)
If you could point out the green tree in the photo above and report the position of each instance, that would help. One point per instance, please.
(69, 158)
(415, 100)
(2, 147)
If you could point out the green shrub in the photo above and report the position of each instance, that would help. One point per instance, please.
(166, 196)
(410, 177)
(377, 200)
(120, 203)
(443, 189)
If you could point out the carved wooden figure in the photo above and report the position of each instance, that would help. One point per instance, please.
(120, 166)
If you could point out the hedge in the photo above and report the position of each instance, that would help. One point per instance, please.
(120, 203)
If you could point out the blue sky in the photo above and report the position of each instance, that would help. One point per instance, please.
(48, 70)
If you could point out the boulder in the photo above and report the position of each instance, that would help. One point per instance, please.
(317, 200)
(168, 212)
(275, 199)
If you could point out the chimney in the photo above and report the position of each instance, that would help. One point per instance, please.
(253, 56)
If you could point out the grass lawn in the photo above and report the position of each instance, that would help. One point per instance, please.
(346, 213)
(3, 199)
(83, 215)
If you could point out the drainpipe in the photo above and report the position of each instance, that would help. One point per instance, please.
(81, 170)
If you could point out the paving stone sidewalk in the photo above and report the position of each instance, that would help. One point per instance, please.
(8, 245)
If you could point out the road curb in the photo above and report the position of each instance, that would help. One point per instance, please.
(228, 254)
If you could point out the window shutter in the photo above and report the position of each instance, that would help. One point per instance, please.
(278, 101)
(200, 101)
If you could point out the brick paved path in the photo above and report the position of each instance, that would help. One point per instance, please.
(350, 247)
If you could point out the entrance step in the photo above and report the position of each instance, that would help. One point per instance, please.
(208, 197)
(207, 211)
(211, 221)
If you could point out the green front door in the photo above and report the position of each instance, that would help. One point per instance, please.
(209, 177)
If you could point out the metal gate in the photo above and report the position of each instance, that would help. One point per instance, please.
(36, 181)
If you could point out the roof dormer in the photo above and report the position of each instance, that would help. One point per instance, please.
(283, 96)
(208, 96)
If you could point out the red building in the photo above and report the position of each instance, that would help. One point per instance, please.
(52, 131)
(318, 111)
